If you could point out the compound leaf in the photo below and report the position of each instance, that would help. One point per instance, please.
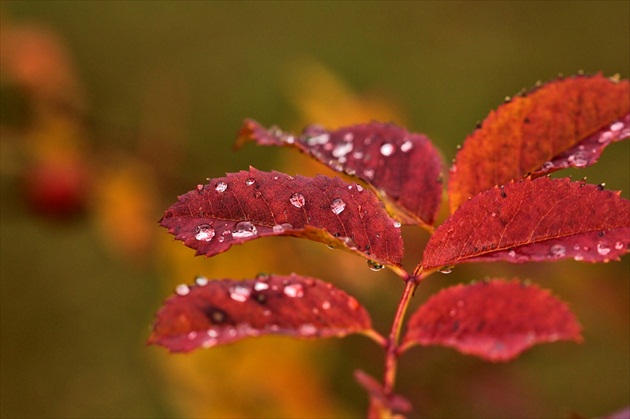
(218, 312)
(566, 122)
(495, 320)
(403, 168)
(534, 220)
(251, 204)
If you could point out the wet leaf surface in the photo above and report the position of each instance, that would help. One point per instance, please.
(566, 122)
(403, 168)
(534, 220)
(252, 204)
(487, 319)
(218, 312)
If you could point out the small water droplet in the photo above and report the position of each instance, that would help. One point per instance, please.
(357, 155)
(603, 249)
(387, 149)
(212, 333)
(578, 258)
(239, 293)
(605, 137)
(619, 245)
(557, 251)
(446, 269)
(359, 188)
(397, 224)
(221, 187)
(257, 194)
(191, 335)
(203, 232)
(182, 289)
(277, 228)
(578, 159)
(250, 181)
(512, 253)
(260, 286)
(297, 200)
(200, 188)
(342, 149)
(374, 265)
(244, 229)
(617, 126)
(307, 329)
(326, 305)
(337, 206)
(201, 281)
(369, 173)
(406, 146)
(294, 290)
(318, 139)
(547, 166)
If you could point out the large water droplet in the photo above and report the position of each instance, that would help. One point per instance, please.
(297, 200)
(244, 229)
(342, 149)
(374, 265)
(557, 251)
(446, 269)
(337, 206)
(221, 187)
(603, 249)
(406, 146)
(294, 290)
(387, 149)
(239, 293)
(204, 232)
(182, 289)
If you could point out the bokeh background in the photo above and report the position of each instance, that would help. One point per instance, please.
(111, 109)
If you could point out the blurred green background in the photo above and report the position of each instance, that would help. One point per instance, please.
(111, 109)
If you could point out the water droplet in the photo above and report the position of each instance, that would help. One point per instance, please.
(204, 232)
(294, 290)
(512, 253)
(357, 155)
(617, 126)
(342, 149)
(547, 166)
(307, 329)
(297, 200)
(374, 265)
(326, 305)
(397, 224)
(446, 269)
(212, 333)
(578, 159)
(318, 139)
(387, 149)
(250, 181)
(182, 289)
(191, 335)
(369, 173)
(557, 251)
(349, 242)
(201, 281)
(200, 188)
(257, 194)
(578, 258)
(337, 206)
(260, 286)
(406, 146)
(619, 245)
(239, 293)
(605, 137)
(221, 187)
(244, 229)
(277, 228)
(603, 249)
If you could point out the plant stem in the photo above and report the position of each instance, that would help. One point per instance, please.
(391, 356)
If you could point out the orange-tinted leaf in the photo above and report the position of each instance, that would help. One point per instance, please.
(403, 168)
(534, 220)
(218, 312)
(247, 205)
(495, 320)
(540, 131)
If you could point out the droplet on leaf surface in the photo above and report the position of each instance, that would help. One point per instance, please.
(297, 200)
(221, 187)
(375, 266)
(204, 232)
(244, 229)
(387, 149)
(337, 206)
(182, 289)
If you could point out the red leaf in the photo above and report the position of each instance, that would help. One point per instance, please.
(537, 220)
(247, 205)
(380, 402)
(495, 320)
(403, 168)
(218, 312)
(541, 131)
